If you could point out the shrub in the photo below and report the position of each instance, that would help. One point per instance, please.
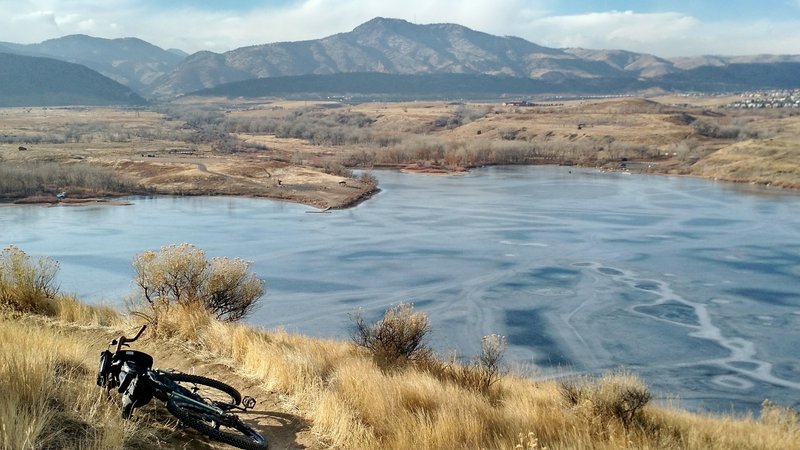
(181, 275)
(22, 179)
(336, 168)
(493, 347)
(479, 375)
(617, 396)
(27, 284)
(369, 178)
(399, 337)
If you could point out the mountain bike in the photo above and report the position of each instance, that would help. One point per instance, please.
(202, 403)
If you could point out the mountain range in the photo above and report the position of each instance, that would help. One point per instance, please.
(393, 46)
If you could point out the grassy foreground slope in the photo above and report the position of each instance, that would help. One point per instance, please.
(322, 393)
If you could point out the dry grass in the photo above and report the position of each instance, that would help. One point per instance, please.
(48, 398)
(68, 308)
(46, 394)
(774, 161)
(283, 149)
(354, 403)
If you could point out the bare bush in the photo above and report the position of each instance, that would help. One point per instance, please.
(734, 129)
(479, 375)
(335, 168)
(683, 150)
(399, 337)
(317, 127)
(19, 180)
(361, 158)
(181, 275)
(619, 396)
(27, 284)
(369, 178)
(493, 347)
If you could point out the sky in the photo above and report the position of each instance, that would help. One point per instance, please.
(660, 27)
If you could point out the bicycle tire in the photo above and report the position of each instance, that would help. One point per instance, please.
(241, 435)
(232, 397)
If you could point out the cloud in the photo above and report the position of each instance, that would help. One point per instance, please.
(196, 28)
(37, 20)
(659, 33)
(669, 34)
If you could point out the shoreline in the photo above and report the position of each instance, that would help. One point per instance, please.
(112, 200)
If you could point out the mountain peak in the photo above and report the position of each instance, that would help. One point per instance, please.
(383, 24)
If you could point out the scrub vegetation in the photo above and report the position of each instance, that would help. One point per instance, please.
(385, 389)
(322, 153)
(44, 181)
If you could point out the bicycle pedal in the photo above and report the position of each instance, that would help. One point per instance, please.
(248, 402)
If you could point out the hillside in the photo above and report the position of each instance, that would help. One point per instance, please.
(129, 61)
(316, 393)
(31, 81)
(478, 86)
(410, 87)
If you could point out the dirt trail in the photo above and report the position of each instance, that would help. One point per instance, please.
(283, 427)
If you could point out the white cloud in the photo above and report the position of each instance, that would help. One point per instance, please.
(669, 34)
(660, 33)
(192, 29)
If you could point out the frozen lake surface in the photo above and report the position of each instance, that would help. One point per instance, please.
(689, 283)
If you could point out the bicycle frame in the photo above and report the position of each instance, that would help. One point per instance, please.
(131, 373)
(170, 391)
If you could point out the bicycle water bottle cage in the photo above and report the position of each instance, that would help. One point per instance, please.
(133, 363)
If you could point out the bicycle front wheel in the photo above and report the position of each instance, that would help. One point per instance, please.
(228, 429)
(212, 390)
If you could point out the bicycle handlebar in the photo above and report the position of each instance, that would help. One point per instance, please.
(122, 340)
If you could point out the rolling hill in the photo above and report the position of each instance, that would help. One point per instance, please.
(32, 81)
(130, 61)
(408, 87)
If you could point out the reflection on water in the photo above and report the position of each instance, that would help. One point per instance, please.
(691, 284)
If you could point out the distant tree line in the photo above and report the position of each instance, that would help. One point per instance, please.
(92, 132)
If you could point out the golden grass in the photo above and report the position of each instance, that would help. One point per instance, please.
(775, 162)
(355, 404)
(47, 397)
(68, 308)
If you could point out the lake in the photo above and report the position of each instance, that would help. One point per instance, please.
(691, 284)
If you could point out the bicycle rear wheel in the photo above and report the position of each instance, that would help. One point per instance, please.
(228, 429)
(215, 391)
